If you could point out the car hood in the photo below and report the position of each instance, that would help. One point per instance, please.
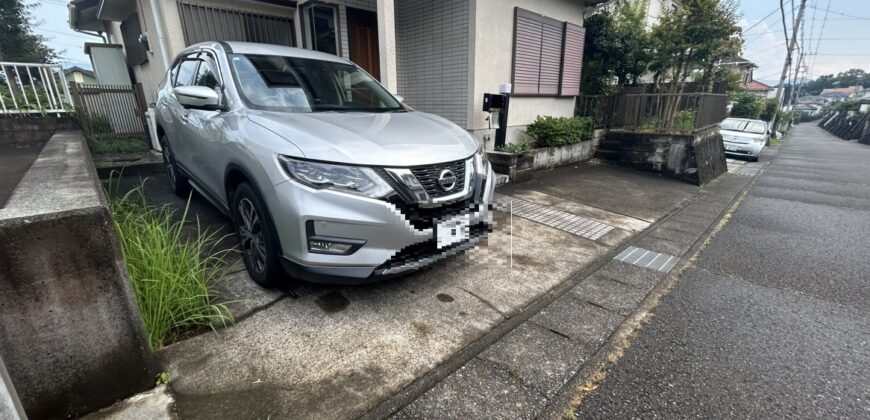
(740, 136)
(374, 139)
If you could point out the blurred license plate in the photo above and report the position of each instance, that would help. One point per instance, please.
(453, 230)
(730, 147)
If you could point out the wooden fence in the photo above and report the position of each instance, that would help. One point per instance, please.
(110, 110)
(654, 112)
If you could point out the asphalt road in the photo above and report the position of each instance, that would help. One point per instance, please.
(774, 319)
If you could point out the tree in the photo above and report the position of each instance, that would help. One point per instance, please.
(17, 40)
(690, 40)
(851, 77)
(617, 48)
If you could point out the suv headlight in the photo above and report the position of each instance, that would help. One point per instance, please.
(350, 179)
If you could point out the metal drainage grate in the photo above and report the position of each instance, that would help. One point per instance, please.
(647, 259)
(568, 222)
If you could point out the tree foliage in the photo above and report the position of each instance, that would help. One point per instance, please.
(690, 40)
(17, 40)
(746, 105)
(852, 77)
(618, 48)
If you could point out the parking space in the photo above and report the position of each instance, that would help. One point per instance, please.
(324, 351)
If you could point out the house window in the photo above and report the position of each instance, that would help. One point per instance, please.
(548, 55)
(320, 27)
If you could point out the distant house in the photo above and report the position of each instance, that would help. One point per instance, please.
(79, 75)
(741, 66)
(759, 89)
(840, 94)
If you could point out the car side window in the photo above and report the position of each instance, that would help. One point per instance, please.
(207, 75)
(186, 70)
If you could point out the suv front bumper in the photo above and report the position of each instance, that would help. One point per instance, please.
(398, 239)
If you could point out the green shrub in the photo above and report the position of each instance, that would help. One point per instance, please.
(109, 146)
(560, 131)
(522, 147)
(100, 124)
(747, 105)
(173, 270)
(684, 121)
(769, 108)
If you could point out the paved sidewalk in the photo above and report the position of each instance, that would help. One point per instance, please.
(533, 370)
(773, 319)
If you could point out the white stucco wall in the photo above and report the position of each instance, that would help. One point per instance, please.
(493, 38)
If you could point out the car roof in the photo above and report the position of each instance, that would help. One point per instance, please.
(267, 49)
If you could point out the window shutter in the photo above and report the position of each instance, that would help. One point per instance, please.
(572, 59)
(527, 52)
(551, 56)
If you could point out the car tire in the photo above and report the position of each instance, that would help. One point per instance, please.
(258, 239)
(177, 182)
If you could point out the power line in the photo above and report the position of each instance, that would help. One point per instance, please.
(764, 18)
(846, 15)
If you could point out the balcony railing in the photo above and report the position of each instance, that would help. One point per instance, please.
(654, 112)
(30, 88)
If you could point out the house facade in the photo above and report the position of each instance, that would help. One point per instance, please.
(441, 56)
(79, 75)
(762, 90)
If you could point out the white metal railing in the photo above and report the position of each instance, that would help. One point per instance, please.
(31, 88)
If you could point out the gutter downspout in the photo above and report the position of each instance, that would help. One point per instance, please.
(161, 37)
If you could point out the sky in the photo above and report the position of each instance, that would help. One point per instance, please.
(842, 43)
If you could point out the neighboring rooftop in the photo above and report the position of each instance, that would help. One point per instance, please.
(73, 69)
(756, 86)
(847, 91)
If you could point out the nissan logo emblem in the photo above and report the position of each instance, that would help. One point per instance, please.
(447, 180)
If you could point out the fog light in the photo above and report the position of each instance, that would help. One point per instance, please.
(328, 247)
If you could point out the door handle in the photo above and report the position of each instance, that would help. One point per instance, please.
(184, 118)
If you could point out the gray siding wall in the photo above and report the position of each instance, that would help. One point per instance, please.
(371, 5)
(432, 41)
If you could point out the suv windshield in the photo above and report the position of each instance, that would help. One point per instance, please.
(754, 127)
(295, 84)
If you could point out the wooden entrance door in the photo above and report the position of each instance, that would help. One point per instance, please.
(362, 33)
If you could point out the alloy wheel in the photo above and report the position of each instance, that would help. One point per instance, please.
(252, 235)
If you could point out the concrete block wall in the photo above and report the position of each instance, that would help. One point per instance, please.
(70, 332)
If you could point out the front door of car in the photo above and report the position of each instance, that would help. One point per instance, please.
(181, 75)
(202, 130)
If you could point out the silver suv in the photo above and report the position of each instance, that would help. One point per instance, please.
(325, 174)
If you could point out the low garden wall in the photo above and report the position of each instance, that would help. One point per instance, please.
(698, 157)
(70, 333)
(25, 129)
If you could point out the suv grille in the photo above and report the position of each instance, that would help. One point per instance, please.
(428, 177)
(425, 217)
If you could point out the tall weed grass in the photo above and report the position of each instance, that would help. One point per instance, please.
(173, 269)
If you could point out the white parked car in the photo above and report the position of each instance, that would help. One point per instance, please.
(744, 137)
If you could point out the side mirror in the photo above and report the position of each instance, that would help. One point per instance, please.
(400, 98)
(198, 97)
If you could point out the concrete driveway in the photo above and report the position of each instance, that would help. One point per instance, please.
(336, 352)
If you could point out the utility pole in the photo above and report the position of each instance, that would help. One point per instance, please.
(791, 44)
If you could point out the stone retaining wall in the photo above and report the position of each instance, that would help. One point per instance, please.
(697, 158)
